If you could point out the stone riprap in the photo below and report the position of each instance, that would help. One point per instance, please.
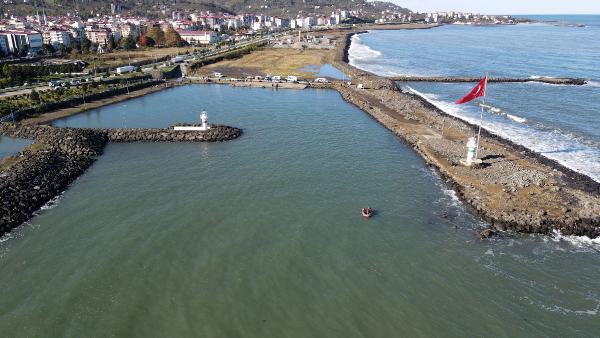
(45, 169)
(514, 189)
(216, 133)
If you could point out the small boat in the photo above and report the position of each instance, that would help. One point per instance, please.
(367, 212)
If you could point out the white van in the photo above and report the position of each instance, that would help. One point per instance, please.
(291, 78)
(125, 69)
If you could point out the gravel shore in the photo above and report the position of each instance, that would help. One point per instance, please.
(514, 189)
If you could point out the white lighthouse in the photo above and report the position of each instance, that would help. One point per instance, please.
(204, 126)
(204, 121)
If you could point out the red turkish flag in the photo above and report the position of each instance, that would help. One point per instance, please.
(478, 91)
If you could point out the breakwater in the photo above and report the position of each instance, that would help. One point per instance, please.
(457, 79)
(44, 170)
(514, 189)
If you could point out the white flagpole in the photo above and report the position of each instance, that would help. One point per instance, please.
(481, 118)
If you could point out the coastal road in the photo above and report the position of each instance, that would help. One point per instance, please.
(24, 91)
(13, 91)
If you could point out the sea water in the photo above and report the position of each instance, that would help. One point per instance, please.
(10, 146)
(262, 236)
(560, 122)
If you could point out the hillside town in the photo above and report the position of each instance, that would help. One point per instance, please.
(30, 35)
(41, 34)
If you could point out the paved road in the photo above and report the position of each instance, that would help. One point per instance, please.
(41, 88)
(18, 91)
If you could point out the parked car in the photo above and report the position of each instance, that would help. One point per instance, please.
(217, 75)
(54, 83)
(291, 78)
(321, 80)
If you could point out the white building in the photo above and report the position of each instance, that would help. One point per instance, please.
(55, 37)
(198, 37)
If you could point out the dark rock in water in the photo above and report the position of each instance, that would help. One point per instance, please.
(487, 233)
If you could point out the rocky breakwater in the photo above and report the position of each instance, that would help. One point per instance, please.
(46, 168)
(43, 170)
(514, 189)
(217, 133)
(454, 79)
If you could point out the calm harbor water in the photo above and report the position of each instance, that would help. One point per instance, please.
(262, 237)
(327, 70)
(10, 146)
(560, 122)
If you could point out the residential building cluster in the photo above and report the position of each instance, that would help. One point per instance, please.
(466, 18)
(30, 33)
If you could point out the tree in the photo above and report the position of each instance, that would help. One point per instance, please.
(34, 96)
(128, 42)
(62, 49)
(146, 41)
(85, 44)
(111, 43)
(48, 49)
(172, 38)
(157, 35)
(4, 70)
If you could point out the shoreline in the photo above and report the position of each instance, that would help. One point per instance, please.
(51, 116)
(547, 196)
(580, 181)
(515, 190)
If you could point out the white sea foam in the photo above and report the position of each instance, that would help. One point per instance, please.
(581, 242)
(516, 118)
(593, 84)
(553, 144)
(51, 203)
(563, 310)
(359, 52)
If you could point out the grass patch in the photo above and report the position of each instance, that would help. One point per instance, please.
(275, 61)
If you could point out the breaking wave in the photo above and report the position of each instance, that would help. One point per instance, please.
(552, 144)
(359, 51)
(595, 84)
(580, 242)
